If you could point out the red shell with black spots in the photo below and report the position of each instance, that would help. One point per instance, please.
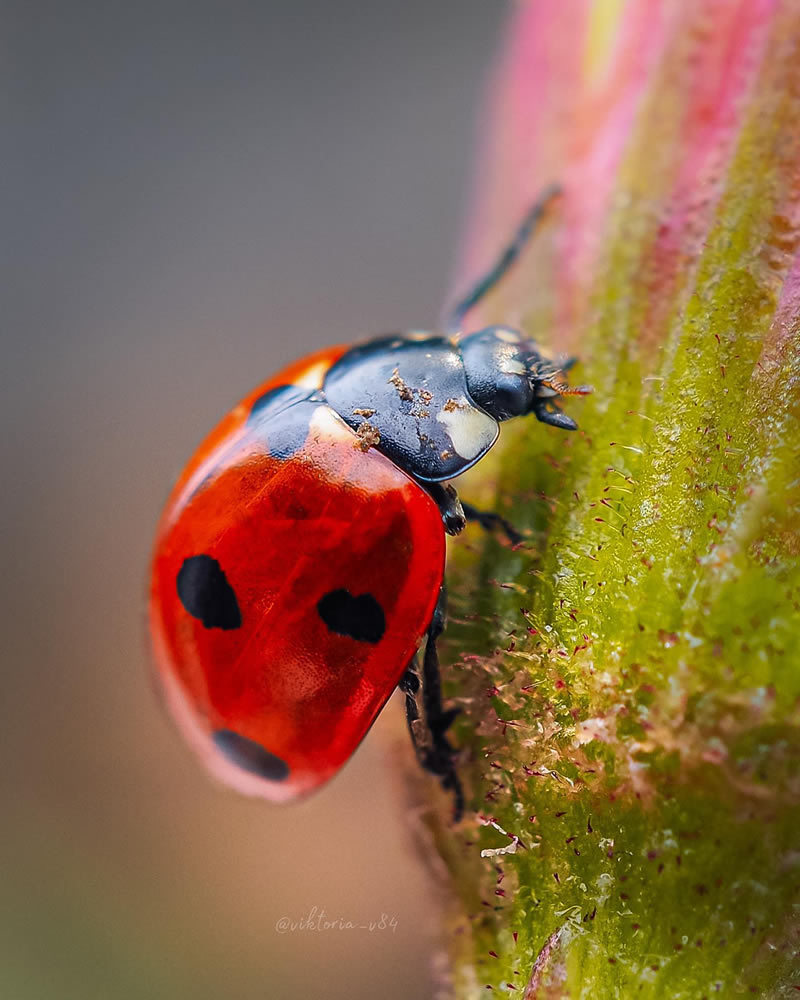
(291, 585)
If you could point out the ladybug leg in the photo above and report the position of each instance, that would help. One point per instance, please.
(411, 686)
(489, 520)
(507, 258)
(448, 503)
(456, 514)
(428, 720)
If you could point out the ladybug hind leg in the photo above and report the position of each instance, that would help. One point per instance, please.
(428, 720)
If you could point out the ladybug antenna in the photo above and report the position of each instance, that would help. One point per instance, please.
(454, 321)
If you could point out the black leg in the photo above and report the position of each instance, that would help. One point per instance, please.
(428, 720)
(448, 503)
(507, 258)
(488, 520)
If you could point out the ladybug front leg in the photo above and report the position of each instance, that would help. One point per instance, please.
(456, 514)
(428, 720)
(489, 520)
(446, 499)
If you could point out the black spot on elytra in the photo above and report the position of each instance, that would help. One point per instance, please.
(250, 756)
(204, 591)
(282, 416)
(360, 617)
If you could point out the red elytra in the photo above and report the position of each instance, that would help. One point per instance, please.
(282, 536)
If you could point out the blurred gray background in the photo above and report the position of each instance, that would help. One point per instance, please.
(195, 194)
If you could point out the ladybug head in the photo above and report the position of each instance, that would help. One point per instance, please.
(508, 377)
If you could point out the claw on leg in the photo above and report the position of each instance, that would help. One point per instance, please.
(449, 505)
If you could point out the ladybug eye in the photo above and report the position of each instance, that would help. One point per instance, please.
(250, 756)
(360, 618)
(205, 593)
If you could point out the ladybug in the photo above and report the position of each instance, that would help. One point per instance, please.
(299, 562)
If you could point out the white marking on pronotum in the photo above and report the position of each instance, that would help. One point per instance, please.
(470, 430)
(513, 367)
(325, 425)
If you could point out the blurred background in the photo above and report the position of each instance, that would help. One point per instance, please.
(194, 195)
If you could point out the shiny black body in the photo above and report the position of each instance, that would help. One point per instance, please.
(433, 405)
